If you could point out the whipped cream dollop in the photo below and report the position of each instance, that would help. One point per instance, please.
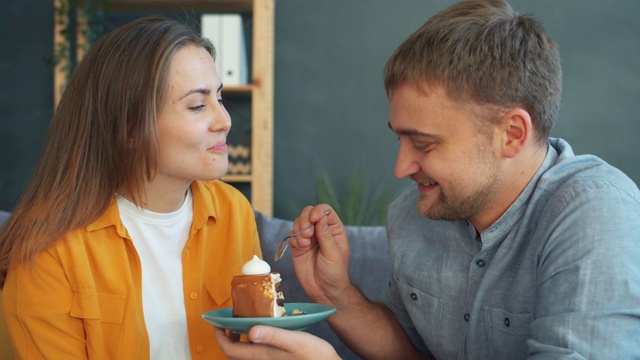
(256, 266)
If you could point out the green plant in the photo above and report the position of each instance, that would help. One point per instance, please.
(361, 205)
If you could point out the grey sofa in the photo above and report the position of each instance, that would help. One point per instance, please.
(368, 266)
(4, 215)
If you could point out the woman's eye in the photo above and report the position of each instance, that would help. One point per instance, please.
(197, 108)
(220, 102)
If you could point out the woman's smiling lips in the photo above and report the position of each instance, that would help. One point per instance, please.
(219, 147)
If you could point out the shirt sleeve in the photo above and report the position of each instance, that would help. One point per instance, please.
(37, 301)
(588, 288)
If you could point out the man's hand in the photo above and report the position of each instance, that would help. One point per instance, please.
(321, 254)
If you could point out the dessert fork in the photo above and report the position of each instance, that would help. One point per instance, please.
(284, 243)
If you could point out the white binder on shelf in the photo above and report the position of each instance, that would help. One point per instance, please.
(226, 32)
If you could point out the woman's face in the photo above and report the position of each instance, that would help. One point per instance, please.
(192, 122)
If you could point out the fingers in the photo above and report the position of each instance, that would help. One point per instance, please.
(229, 343)
(225, 343)
(292, 344)
(329, 230)
(328, 235)
(266, 342)
(304, 241)
(233, 336)
(272, 336)
(321, 215)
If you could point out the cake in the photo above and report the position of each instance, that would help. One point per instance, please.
(257, 292)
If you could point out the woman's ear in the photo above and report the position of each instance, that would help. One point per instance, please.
(517, 131)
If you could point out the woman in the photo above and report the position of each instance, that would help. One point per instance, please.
(124, 237)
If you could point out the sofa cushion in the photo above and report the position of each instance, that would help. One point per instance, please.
(4, 215)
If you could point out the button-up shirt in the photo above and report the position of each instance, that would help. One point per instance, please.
(82, 298)
(556, 276)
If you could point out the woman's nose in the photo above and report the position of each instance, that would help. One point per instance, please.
(221, 120)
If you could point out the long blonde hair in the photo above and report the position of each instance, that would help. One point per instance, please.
(102, 136)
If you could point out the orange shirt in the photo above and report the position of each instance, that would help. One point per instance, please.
(83, 296)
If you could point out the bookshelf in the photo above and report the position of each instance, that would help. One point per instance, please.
(259, 91)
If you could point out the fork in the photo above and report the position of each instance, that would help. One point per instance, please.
(284, 243)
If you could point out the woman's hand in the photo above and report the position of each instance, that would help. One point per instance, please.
(268, 342)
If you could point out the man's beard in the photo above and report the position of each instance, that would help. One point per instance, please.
(463, 206)
(452, 208)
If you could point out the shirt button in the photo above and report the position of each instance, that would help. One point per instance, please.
(467, 316)
(481, 263)
(193, 295)
(507, 322)
(199, 349)
(414, 296)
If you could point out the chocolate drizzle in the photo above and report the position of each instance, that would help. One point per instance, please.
(257, 296)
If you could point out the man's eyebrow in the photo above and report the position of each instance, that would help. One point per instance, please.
(413, 132)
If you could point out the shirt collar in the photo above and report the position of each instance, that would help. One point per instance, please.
(204, 204)
(110, 217)
(499, 229)
(204, 207)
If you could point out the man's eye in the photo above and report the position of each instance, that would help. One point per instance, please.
(197, 108)
(421, 146)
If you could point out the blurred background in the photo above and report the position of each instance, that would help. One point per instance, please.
(330, 108)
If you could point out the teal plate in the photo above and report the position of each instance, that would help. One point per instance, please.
(315, 313)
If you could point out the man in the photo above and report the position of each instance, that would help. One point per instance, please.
(508, 245)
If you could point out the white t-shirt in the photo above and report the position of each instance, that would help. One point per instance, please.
(159, 239)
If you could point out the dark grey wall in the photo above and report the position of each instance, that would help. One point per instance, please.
(26, 90)
(330, 107)
(329, 93)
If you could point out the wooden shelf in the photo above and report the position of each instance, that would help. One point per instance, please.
(260, 89)
(237, 178)
(238, 90)
(179, 5)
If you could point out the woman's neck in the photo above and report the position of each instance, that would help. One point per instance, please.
(160, 198)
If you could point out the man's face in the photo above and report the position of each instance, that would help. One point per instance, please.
(456, 166)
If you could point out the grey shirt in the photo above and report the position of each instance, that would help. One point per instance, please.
(557, 276)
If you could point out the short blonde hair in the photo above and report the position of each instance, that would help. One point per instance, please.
(483, 51)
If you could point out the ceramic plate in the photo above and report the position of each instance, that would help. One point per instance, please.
(314, 314)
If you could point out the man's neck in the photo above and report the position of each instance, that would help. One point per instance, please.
(518, 173)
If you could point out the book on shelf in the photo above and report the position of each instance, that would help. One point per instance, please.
(226, 32)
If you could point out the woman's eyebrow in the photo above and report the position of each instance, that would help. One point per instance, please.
(204, 91)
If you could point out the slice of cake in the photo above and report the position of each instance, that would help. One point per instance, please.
(257, 292)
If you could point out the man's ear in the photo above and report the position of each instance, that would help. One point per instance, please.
(517, 131)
